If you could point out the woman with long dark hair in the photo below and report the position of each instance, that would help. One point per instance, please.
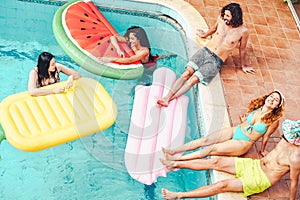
(46, 73)
(137, 40)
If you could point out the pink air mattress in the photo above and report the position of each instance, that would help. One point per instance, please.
(153, 127)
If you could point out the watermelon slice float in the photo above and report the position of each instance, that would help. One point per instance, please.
(84, 34)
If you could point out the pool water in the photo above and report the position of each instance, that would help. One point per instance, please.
(91, 167)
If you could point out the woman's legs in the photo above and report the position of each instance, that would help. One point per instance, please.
(220, 136)
(231, 148)
(226, 148)
(176, 86)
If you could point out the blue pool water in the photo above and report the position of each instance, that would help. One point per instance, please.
(91, 167)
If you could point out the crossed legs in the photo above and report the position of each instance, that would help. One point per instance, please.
(215, 144)
(181, 86)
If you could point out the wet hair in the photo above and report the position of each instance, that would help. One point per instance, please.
(236, 12)
(141, 35)
(272, 116)
(43, 66)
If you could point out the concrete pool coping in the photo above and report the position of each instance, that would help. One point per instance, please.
(213, 105)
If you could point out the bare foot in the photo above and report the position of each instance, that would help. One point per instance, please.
(163, 102)
(173, 158)
(169, 154)
(168, 195)
(167, 151)
(170, 164)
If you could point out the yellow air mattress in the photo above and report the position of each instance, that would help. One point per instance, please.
(36, 123)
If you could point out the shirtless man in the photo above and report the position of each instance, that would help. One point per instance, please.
(206, 63)
(252, 175)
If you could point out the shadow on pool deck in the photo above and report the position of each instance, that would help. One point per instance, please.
(274, 51)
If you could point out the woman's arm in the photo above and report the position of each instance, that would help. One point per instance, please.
(68, 71)
(139, 56)
(34, 91)
(114, 41)
(73, 75)
(267, 135)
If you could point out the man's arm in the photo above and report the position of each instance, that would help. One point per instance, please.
(243, 46)
(211, 31)
(294, 176)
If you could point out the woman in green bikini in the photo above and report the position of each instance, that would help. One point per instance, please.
(262, 121)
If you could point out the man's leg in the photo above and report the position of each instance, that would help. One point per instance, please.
(224, 164)
(186, 87)
(228, 185)
(176, 86)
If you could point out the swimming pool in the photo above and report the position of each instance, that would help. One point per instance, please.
(92, 167)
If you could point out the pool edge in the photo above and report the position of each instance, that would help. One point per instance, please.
(214, 90)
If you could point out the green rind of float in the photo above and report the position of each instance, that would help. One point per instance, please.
(84, 60)
(2, 134)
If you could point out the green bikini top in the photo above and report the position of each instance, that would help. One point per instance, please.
(260, 128)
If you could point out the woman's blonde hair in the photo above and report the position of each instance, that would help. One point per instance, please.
(272, 116)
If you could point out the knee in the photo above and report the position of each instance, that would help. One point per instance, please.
(193, 80)
(217, 163)
(187, 74)
(222, 186)
(205, 140)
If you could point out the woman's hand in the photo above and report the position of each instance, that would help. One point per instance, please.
(59, 90)
(69, 82)
(106, 59)
(243, 117)
(120, 53)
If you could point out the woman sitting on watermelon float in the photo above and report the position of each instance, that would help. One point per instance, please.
(137, 39)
